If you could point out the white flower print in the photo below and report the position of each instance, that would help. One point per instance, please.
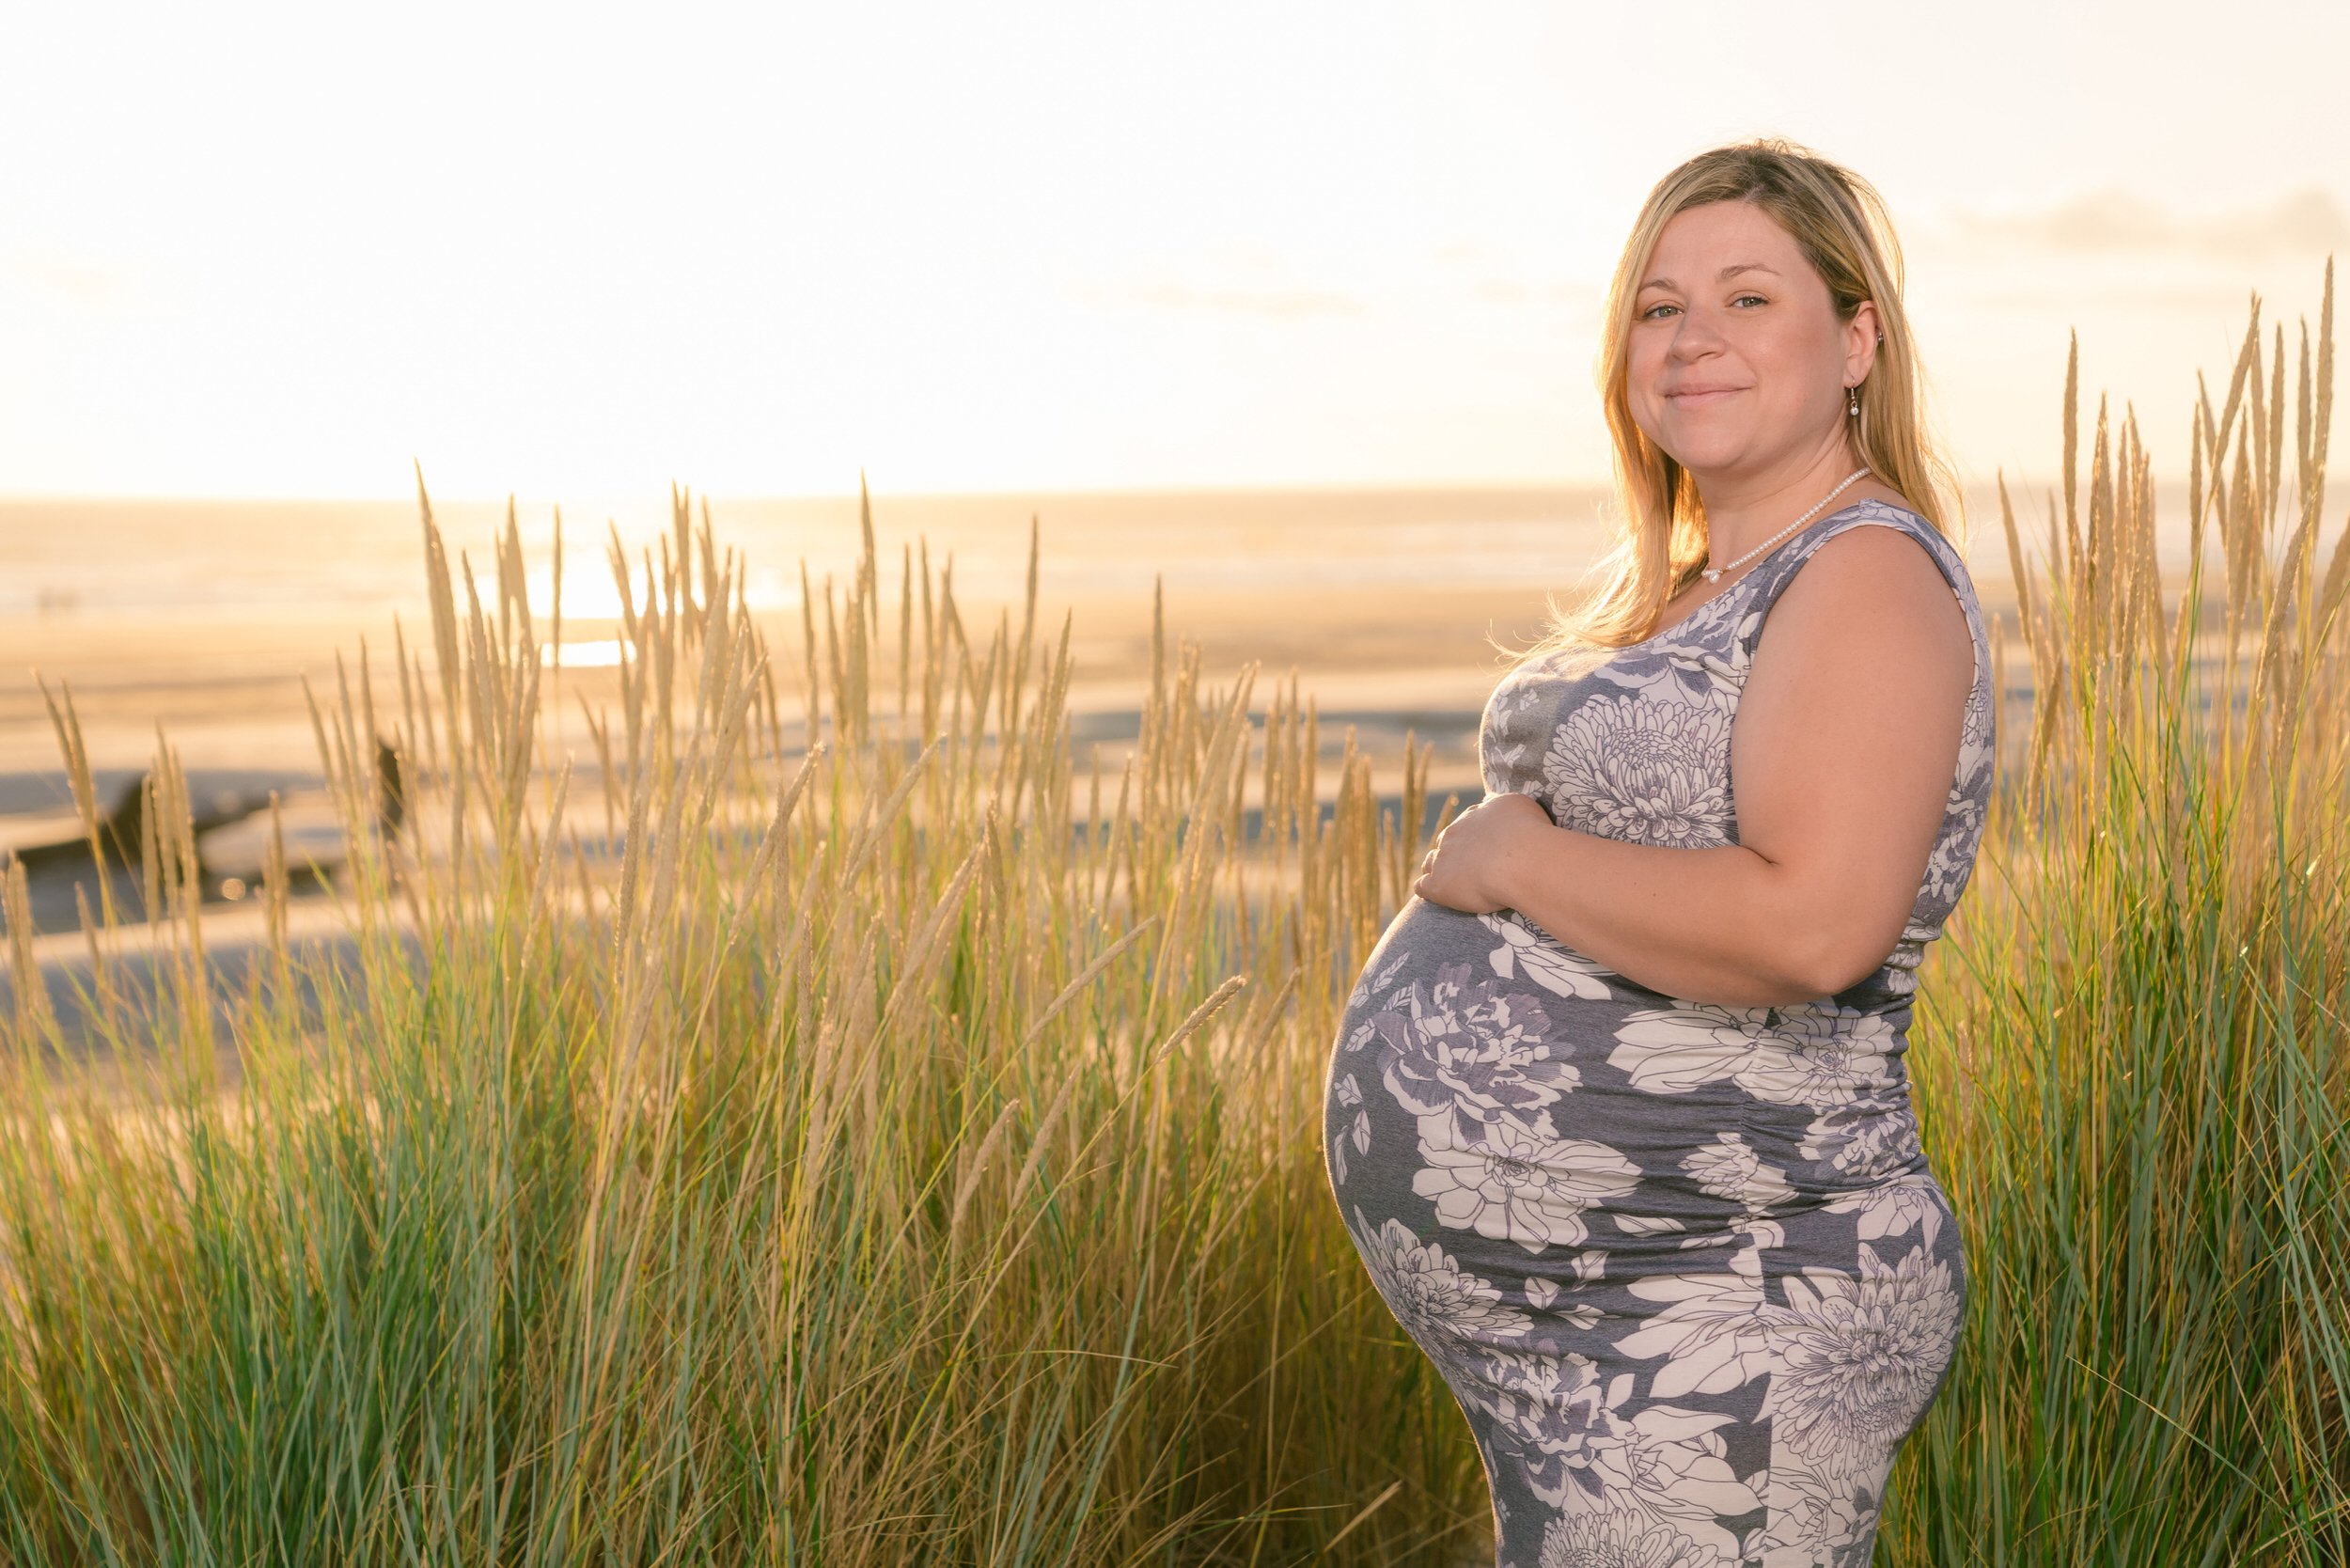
(1527, 948)
(1512, 698)
(1823, 1056)
(1710, 1332)
(1435, 1300)
(1367, 983)
(1643, 772)
(1674, 1464)
(1898, 975)
(1954, 858)
(1543, 1296)
(1621, 1540)
(1471, 1052)
(1751, 1235)
(1691, 663)
(1580, 1444)
(1727, 1168)
(1855, 1358)
(1499, 760)
(1818, 1056)
(1555, 1414)
(1866, 1139)
(1822, 1518)
(1648, 1225)
(1578, 1315)
(1350, 1092)
(1890, 1210)
(1673, 1050)
(1515, 1183)
(1976, 734)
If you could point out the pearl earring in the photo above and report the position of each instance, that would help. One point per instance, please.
(1852, 400)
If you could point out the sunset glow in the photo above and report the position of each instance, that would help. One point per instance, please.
(269, 249)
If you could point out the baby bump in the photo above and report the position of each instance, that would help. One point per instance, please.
(1455, 1083)
(1488, 1081)
(1483, 1032)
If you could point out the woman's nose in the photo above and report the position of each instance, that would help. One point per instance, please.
(1693, 334)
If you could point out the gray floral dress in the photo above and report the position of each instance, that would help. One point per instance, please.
(1685, 1266)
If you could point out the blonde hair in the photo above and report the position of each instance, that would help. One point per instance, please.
(1840, 225)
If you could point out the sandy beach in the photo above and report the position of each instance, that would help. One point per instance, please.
(229, 696)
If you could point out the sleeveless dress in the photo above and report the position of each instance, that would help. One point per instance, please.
(1684, 1265)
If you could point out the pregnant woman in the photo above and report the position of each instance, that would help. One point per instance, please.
(1618, 1113)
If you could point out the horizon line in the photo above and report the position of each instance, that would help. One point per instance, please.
(520, 498)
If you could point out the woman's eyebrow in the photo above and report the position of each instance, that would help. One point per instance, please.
(1727, 272)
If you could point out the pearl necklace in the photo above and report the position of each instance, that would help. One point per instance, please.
(1714, 573)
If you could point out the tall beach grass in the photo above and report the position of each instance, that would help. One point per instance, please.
(2132, 1056)
(849, 1126)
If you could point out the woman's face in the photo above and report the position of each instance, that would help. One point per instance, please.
(1739, 373)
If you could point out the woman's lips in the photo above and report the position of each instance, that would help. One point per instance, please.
(1704, 400)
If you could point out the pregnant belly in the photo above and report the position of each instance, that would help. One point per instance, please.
(1476, 1027)
(1424, 938)
(1466, 1096)
(1477, 1049)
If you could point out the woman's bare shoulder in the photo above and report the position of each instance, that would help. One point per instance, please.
(1876, 592)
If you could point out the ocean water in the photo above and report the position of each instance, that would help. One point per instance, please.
(233, 561)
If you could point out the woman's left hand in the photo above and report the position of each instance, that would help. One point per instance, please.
(1466, 868)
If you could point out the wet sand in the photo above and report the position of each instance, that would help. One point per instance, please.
(229, 698)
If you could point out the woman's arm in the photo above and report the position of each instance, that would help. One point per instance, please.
(1846, 738)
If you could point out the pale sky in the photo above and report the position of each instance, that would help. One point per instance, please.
(563, 249)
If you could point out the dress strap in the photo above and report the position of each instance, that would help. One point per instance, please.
(1779, 569)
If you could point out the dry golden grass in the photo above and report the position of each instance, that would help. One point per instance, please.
(904, 1146)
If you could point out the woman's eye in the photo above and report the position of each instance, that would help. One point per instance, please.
(1649, 314)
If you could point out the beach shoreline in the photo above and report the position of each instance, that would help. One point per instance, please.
(228, 695)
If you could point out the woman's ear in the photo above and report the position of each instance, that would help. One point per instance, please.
(1867, 336)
